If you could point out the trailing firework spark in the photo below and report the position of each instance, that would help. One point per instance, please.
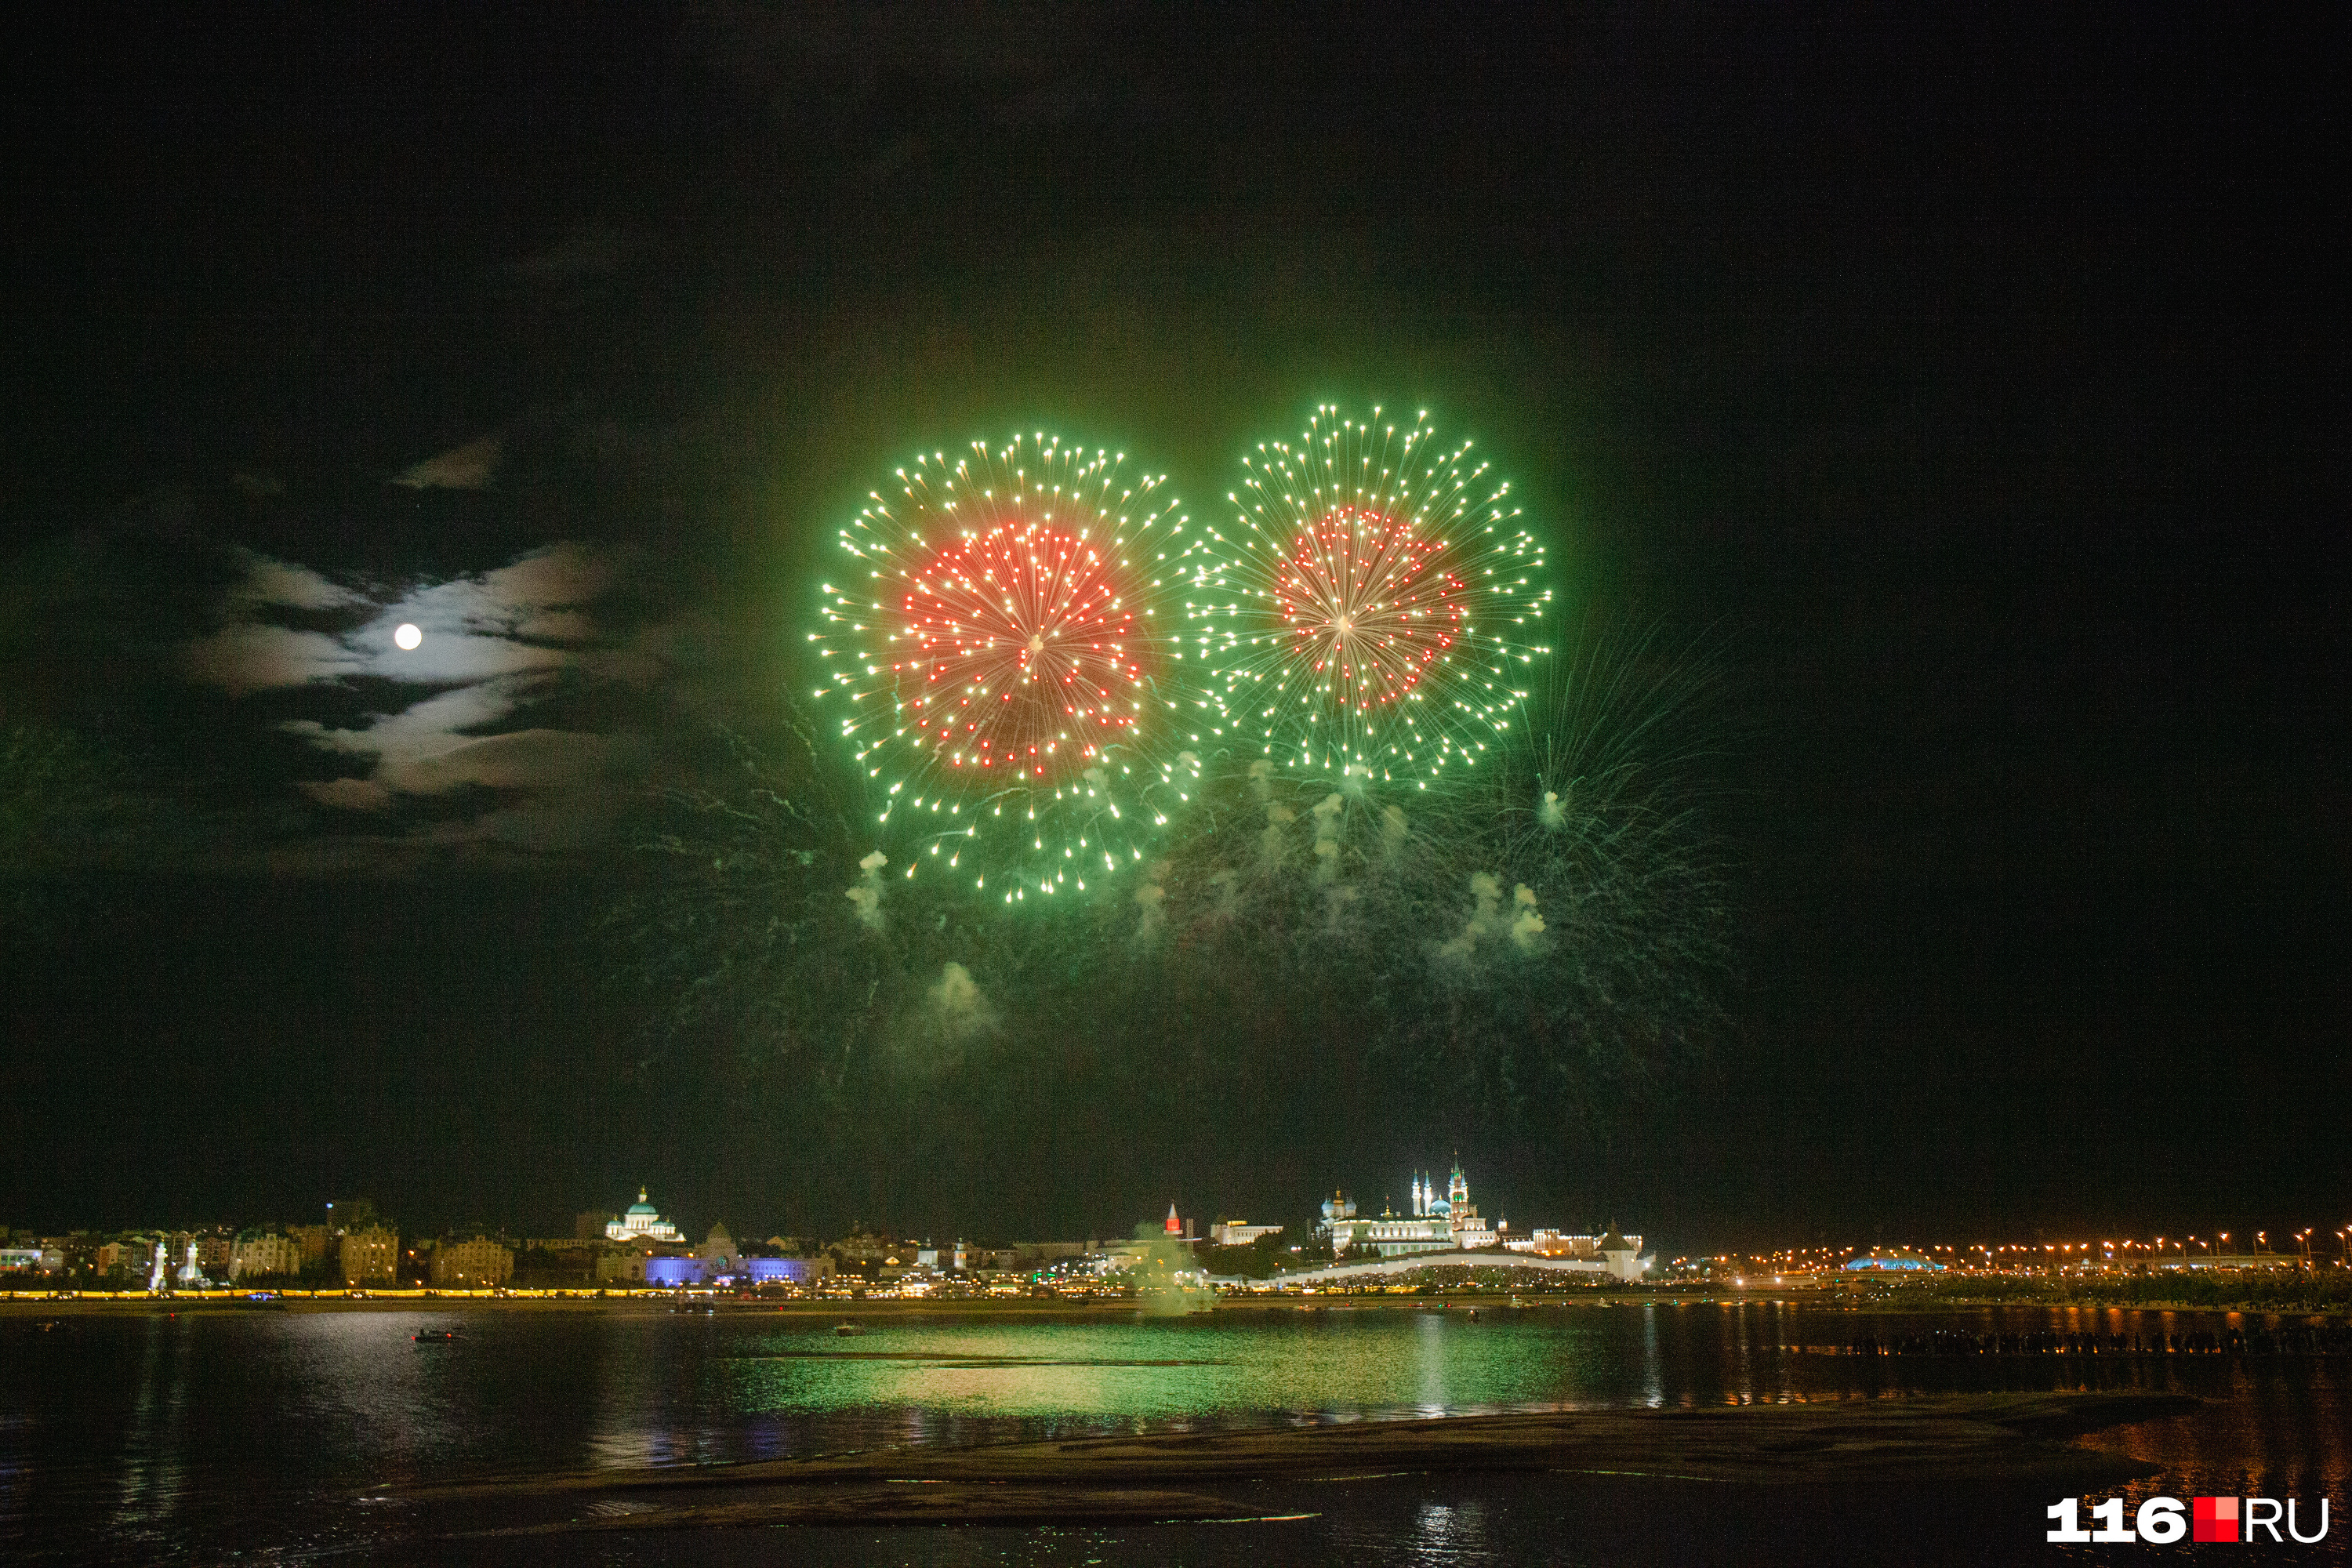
(1553, 940)
(1366, 612)
(1553, 932)
(1614, 745)
(1008, 664)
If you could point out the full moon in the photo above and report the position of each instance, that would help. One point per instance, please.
(407, 636)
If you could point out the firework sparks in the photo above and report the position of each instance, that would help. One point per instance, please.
(1010, 663)
(1548, 935)
(1367, 609)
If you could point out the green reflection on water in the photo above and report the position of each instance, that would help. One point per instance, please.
(1156, 1371)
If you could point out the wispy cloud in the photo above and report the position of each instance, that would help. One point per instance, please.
(246, 658)
(273, 582)
(467, 467)
(491, 648)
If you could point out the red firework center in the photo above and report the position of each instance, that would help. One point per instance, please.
(1370, 602)
(1027, 654)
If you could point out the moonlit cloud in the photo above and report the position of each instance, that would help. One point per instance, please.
(495, 646)
(251, 653)
(529, 615)
(243, 659)
(348, 794)
(273, 582)
(558, 625)
(467, 467)
(413, 757)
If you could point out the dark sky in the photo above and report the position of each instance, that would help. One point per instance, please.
(1972, 385)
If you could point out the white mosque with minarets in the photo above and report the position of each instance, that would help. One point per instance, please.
(1448, 1221)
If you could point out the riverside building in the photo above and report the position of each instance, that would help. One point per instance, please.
(267, 1254)
(1448, 1222)
(370, 1256)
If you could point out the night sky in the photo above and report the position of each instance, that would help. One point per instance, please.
(1968, 388)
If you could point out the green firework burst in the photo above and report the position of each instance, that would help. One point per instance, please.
(1371, 607)
(1003, 661)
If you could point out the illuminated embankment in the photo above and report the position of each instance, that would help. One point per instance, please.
(1407, 1263)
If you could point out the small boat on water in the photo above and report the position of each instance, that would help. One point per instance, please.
(847, 1330)
(433, 1336)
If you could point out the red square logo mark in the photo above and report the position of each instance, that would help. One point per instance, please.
(2212, 1519)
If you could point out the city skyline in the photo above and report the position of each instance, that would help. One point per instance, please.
(1330, 1223)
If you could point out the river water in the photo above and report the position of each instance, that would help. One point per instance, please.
(284, 1435)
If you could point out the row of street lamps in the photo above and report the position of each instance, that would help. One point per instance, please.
(2262, 1245)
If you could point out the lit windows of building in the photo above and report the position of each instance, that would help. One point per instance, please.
(265, 1256)
(477, 1265)
(370, 1256)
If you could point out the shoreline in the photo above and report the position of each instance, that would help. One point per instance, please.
(2006, 1439)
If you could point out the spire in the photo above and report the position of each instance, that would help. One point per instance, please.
(1174, 1226)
